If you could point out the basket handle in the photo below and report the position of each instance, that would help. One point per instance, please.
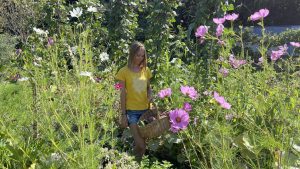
(155, 108)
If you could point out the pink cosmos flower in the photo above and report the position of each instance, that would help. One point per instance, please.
(231, 17)
(165, 93)
(190, 91)
(259, 15)
(295, 44)
(187, 107)
(118, 86)
(221, 101)
(224, 71)
(201, 31)
(235, 63)
(219, 30)
(283, 48)
(276, 54)
(179, 119)
(219, 20)
(50, 41)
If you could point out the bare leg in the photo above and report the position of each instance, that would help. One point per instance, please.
(140, 145)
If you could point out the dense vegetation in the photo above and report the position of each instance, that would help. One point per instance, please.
(59, 106)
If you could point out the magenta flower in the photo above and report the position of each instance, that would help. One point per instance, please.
(259, 15)
(187, 107)
(231, 17)
(201, 31)
(224, 72)
(118, 86)
(50, 41)
(219, 20)
(190, 91)
(295, 44)
(276, 54)
(179, 119)
(221, 101)
(235, 63)
(219, 30)
(165, 93)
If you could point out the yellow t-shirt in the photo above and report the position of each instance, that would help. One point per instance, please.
(136, 87)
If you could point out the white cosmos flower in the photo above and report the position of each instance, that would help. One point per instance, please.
(74, 49)
(36, 64)
(23, 79)
(173, 60)
(85, 73)
(39, 58)
(92, 9)
(40, 31)
(104, 56)
(76, 12)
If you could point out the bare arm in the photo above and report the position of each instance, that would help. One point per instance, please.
(123, 118)
(149, 91)
(123, 98)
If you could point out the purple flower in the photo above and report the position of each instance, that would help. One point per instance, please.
(219, 30)
(219, 20)
(50, 41)
(231, 17)
(295, 44)
(18, 51)
(224, 72)
(221, 101)
(235, 63)
(190, 91)
(165, 93)
(283, 48)
(179, 119)
(259, 15)
(201, 31)
(276, 54)
(187, 107)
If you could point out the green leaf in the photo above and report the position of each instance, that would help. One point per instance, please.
(243, 143)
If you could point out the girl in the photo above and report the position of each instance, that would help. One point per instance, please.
(135, 93)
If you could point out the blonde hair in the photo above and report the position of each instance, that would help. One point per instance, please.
(134, 48)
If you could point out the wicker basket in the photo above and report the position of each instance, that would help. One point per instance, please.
(156, 127)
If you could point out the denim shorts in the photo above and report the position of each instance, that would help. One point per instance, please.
(133, 116)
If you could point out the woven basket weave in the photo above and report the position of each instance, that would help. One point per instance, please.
(157, 127)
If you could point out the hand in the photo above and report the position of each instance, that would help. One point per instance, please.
(123, 121)
(150, 99)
